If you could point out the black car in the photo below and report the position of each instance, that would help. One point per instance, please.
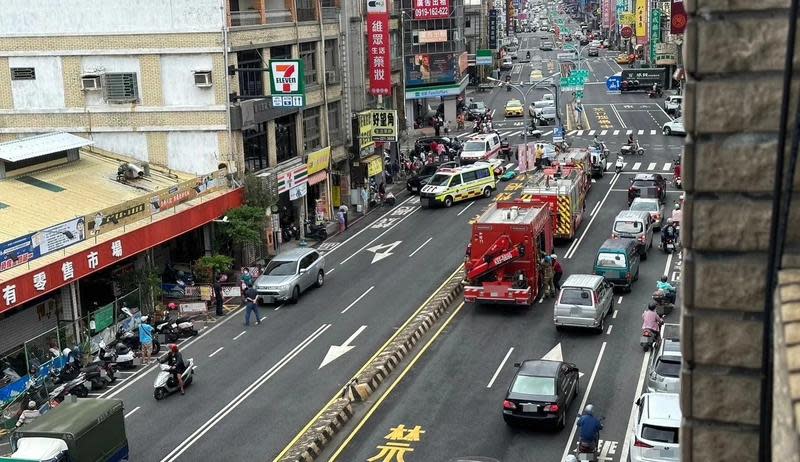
(476, 110)
(424, 143)
(593, 51)
(541, 392)
(648, 185)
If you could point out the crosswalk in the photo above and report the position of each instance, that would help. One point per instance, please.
(611, 132)
(646, 166)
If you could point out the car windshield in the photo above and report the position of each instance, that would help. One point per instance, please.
(576, 296)
(644, 206)
(514, 103)
(477, 146)
(439, 180)
(644, 184)
(280, 268)
(611, 260)
(668, 367)
(478, 106)
(660, 434)
(531, 385)
(628, 227)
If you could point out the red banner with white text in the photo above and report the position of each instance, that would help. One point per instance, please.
(380, 62)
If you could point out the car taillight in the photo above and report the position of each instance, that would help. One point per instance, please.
(551, 408)
(596, 298)
(509, 405)
(628, 276)
(640, 444)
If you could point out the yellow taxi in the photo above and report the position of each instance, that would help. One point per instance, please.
(624, 59)
(536, 75)
(514, 108)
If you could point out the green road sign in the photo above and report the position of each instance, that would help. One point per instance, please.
(579, 94)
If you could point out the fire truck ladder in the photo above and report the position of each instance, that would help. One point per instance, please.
(501, 252)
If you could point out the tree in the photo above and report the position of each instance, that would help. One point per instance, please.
(209, 266)
(244, 226)
(259, 192)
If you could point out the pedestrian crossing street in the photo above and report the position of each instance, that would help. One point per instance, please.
(612, 132)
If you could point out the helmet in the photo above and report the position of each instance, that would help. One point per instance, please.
(659, 294)
(553, 256)
(677, 206)
(66, 352)
(172, 306)
(31, 404)
(663, 279)
(651, 306)
(589, 409)
(173, 347)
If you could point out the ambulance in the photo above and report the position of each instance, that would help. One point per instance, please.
(450, 185)
(480, 147)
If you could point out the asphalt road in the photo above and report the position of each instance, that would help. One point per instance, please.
(449, 403)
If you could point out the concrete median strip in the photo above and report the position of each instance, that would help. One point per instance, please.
(332, 419)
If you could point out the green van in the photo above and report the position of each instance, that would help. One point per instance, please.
(80, 430)
(618, 262)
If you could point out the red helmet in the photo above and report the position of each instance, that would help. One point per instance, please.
(172, 306)
(173, 347)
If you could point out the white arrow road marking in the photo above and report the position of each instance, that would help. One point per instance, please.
(357, 300)
(555, 354)
(338, 350)
(379, 251)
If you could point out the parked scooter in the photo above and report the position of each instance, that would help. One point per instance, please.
(77, 386)
(118, 353)
(165, 384)
(316, 231)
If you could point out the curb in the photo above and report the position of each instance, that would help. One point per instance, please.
(334, 417)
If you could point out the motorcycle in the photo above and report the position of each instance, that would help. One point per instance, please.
(657, 93)
(618, 165)
(663, 305)
(316, 231)
(165, 384)
(534, 133)
(169, 330)
(668, 245)
(389, 199)
(634, 148)
(118, 354)
(130, 336)
(648, 339)
(78, 386)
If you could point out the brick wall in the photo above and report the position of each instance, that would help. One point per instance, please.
(734, 57)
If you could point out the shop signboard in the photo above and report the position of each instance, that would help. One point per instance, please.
(655, 33)
(378, 52)
(627, 18)
(666, 54)
(292, 178)
(365, 129)
(435, 92)
(287, 83)
(298, 191)
(384, 125)
(483, 58)
(374, 165)
(431, 9)
(59, 236)
(16, 252)
(103, 317)
(318, 160)
(641, 18)
(493, 42)
(432, 36)
(425, 69)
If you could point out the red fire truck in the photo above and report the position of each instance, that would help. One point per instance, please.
(565, 192)
(502, 263)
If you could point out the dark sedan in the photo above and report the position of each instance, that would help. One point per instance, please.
(541, 392)
(648, 185)
(416, 182)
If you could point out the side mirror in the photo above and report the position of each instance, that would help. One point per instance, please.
(639, 401)
(517, 364)
(303, 270)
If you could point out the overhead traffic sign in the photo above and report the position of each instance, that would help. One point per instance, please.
(614, 84)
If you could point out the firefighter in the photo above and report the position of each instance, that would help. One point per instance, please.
(548, 274)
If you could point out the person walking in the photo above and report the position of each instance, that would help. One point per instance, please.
(343, 208)
(251, 305)
(247, 279)
(558, 272)
(146, 339)
(340, 217)
(548, 274)
(218, 296)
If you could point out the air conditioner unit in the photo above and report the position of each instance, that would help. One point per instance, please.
(202, 78)
(90, 83)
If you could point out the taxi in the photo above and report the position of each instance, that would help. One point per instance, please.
(624, 59)
(514, 108)
(536, 75)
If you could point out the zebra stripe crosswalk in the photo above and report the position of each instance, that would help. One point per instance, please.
(650, 167)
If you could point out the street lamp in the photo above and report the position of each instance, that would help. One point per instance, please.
(524, 95)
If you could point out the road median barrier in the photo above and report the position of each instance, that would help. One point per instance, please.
(309, 446)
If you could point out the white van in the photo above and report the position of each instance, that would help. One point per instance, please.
(480, 147)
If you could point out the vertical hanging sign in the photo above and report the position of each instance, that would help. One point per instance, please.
(655, 33)
(641, 19)
(493, 29)
(378, 48)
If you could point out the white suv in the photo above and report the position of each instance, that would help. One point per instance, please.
(658, 423)
(674, 127)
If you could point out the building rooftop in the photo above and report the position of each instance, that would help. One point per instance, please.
(47, 197)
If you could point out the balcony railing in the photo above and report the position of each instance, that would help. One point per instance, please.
(253, 17)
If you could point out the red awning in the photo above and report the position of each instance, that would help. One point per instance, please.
(318, 177)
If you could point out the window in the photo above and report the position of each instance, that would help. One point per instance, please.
(668, 367)
(121, 87)
(574, 296)
(250, 83)
(482, 173)
(611, 260)
(285, 137)
(469, 176)
(23, 73)
(312, 131)
(455, 181)
(308, 53)
(628, 227)
(255, 148)
(530, 385)
(281, 52)
(281, 268)
(660, 434)
(335, 131)
(331, 55)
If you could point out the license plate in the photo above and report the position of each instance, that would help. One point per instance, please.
(414, 189)
(530, 408)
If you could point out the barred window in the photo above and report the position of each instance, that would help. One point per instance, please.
(23, 73)
(121, 87)
(312, 130)
(308, 53)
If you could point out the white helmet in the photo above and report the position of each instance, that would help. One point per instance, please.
(66, 352)
(31, 404)
(589, 409)
(144, 319)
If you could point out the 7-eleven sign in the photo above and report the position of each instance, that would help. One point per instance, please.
(286, 77)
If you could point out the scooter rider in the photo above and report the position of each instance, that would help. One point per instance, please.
(668, 289)
(175, 359)
(590, 428)
(669, 232)
(651, 320)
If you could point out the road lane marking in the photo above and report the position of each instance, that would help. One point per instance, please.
(132, 411)
(239, 399)
(603, 132)
(608, 332)
(620, 300)
(652, 132)
(147, 370)
(216, 351)
(547, 133)
(357, 300)
(237, 337)
(465, 208)
(616, 132)
(420, 247)
(414, 210)
(636, 165)
(667, 166)
(614, 316)
(573, 132)
(394, 384)
(652, 166)
(626, 445)
(591, 132)
(594, 210)
(619, 117)
(589, 225)
(499, 368)
(580, 132)
(585, 399)
(368, 362)
(515, 133)
(641, 132)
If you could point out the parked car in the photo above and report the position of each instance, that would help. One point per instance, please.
(658, 423)
(644, 181)
(546, 46)
(476, 109)
(593, 51)
(664, 370)
(652, 206)
(585, 300)
(673, 127)
(541, 392)
(416, 182)
(423, 144)
(289, 274)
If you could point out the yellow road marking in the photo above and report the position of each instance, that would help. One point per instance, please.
(394, 384)
(367, 363)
